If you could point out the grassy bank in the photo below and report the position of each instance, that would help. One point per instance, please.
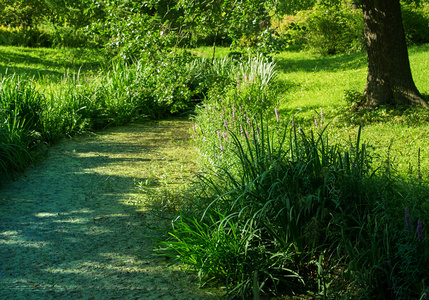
(286, 205)
(48, 94)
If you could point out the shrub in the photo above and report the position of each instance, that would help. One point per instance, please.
(416, 23)
(28, 37)
(292, 29)
(332, 30)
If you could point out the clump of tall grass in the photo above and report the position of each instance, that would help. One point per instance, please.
(21, 107)
(35, 112)
(232, 107)
(21, 36)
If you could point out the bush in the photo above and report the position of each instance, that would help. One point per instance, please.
(291, 29)
(332, 31)
(28, 37)
(173, 83)
(416, 24)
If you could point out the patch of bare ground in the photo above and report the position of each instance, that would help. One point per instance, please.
(70, 227)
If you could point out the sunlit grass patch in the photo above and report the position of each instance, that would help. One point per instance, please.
(310, 84)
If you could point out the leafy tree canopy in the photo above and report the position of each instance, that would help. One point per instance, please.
(30, 13)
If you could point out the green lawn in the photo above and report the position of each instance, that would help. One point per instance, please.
(315, 82)
(48, 62)
(312, 83)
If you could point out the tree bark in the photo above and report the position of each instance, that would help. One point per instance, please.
(389, 78)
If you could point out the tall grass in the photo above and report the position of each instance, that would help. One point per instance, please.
(288, 209)
(232, 105)
(38, 111)
(295, 199)
(20, 115)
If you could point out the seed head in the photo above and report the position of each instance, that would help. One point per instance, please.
(420, 230)
(407, 221)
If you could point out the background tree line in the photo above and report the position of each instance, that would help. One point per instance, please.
(128, 27)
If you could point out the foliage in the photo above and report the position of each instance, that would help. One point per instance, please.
(285, 194)
(244, 95)
(220, 250)
(132, 29)
(33, 13)
(21, 107)
(46, 23)
(332, 30)
(73, 13)
(29, 37)
(26, 13)
(389, 250)
(416, 24)
(246, 22)
(174, 83)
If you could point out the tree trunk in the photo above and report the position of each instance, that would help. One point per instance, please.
(389, 74)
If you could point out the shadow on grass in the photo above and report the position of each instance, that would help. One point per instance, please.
(48, 62)
(69, 226)
(322, 63)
